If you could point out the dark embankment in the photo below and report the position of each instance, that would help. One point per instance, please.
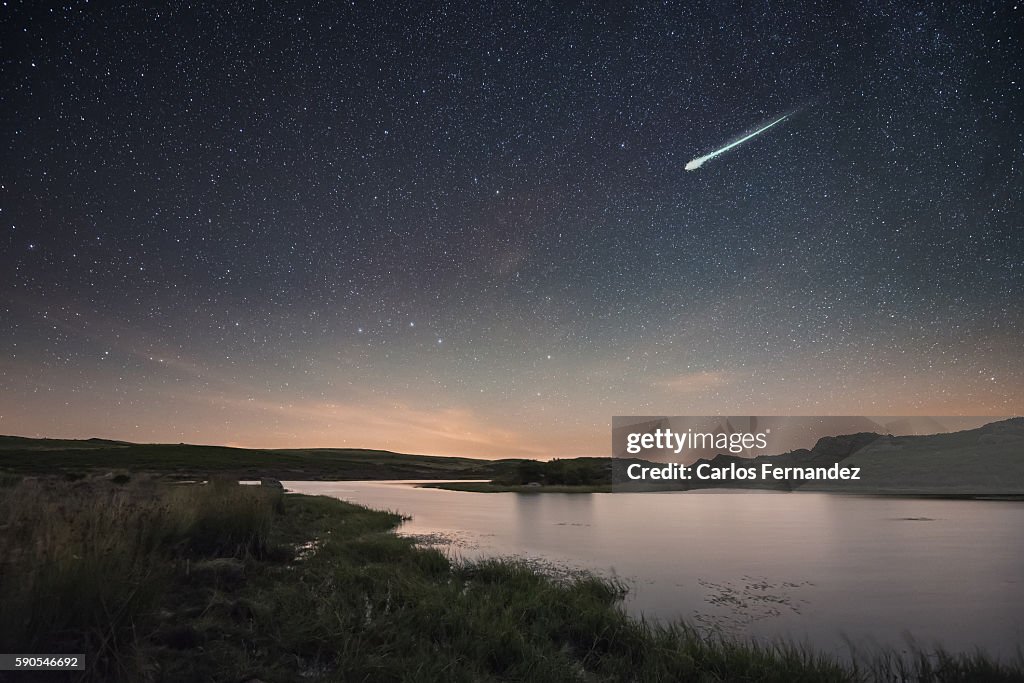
(160, 582)
(26, 456)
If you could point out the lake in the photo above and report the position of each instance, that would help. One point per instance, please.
(821, 569)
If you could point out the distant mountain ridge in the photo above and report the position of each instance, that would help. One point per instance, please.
(39, 444)
(22, 456)
(986, 460)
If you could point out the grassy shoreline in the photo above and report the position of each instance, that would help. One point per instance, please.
(492, 487)
(235, 583)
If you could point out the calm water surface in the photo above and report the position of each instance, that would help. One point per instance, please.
(816, 568)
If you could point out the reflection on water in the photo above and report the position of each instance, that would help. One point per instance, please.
(814, 568)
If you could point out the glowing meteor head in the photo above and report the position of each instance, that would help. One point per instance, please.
(695, 164)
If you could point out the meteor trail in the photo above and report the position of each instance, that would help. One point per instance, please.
(696, 163)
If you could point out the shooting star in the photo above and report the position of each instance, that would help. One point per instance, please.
(696, 163)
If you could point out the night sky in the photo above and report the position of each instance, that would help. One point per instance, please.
(466, 228)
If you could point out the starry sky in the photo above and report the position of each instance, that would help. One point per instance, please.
(466, 228)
